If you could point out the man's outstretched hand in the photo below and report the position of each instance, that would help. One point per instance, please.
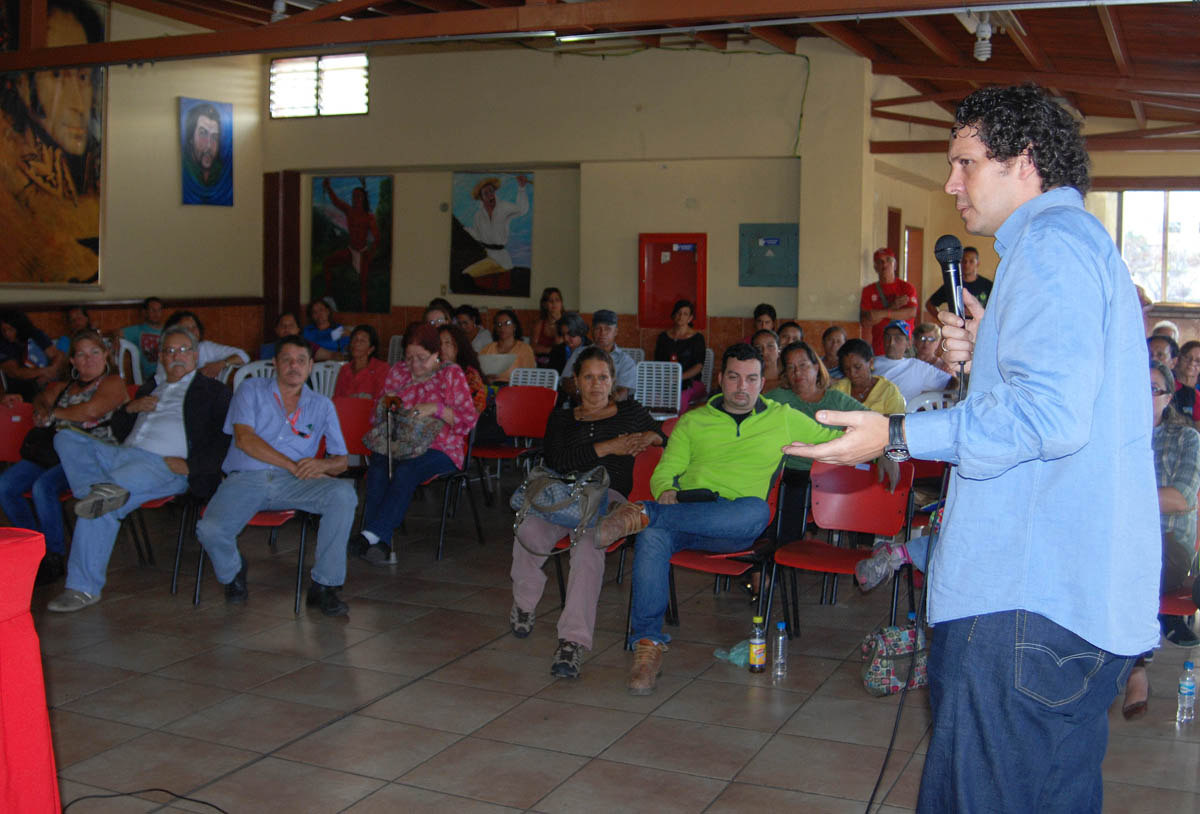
(865, 437)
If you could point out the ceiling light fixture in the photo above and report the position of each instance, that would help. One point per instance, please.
(983, 39)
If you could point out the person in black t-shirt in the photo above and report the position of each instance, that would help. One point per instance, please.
(981, 287)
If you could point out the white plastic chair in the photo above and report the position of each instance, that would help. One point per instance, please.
(658, 386)
(263, 369)
(931, 400)
(395, 349)
(534, 377)
(324, 377)
(636, 354)
(706, 371)
(124, 346)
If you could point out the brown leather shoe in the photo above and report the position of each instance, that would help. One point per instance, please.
(622, 520)
(647, 666)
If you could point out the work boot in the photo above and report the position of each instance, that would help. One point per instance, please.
(647, 666)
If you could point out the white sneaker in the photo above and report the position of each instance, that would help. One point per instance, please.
(882, 563)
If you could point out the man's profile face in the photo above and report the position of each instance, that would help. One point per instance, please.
(605, 336)
(64, 95)
(895, 343)
(741, 382)
(1161, 352)
(970, 265)
(885, 267)
(985, 191)
(206, 140)
(178, 355)
(292, 365)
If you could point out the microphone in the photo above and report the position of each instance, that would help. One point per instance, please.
(949, 251)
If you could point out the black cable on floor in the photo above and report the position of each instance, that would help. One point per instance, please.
(143, 791)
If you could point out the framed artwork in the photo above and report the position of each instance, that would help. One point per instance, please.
(51, 134)
(206, 151)
(491, 233)
(352, 241)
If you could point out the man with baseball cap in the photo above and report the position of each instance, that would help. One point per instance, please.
(910, 375)
(604, 336)
(886, 300)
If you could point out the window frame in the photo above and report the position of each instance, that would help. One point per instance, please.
(316, 102)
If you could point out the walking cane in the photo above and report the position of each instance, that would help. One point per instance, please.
(390, 413)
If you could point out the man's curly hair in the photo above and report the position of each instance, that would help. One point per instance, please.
(1011, 120)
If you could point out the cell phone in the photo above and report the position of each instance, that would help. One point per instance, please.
(696, 496)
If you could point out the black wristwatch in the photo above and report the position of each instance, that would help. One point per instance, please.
(897, 446)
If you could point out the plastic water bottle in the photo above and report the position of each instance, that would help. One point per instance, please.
(1186, 712)
(779, 656)
(758, 646)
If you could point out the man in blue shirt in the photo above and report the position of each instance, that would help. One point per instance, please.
(277, 426)
(1044, 582)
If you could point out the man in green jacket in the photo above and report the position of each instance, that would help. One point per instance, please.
(731, 446)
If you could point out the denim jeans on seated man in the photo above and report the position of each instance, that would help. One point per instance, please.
(719, 526)
(88, 462)
(45, 485)
(1025, 680)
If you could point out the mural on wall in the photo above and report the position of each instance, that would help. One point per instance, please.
(352, 242)
(50, 137)
(206, 150)
(491, 233)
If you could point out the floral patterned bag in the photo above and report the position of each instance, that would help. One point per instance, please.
(887, 658)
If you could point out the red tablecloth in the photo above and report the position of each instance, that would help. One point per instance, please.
(28, 781)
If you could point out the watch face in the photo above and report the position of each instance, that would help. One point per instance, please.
(896, 453)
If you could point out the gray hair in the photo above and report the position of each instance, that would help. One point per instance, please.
(182, 331)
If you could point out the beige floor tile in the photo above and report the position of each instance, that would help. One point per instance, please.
(448, 707)
(140, 650)
(827, 642)
(495, 772)
(717, 702)
(739, 798)
(402, 653)
(77, 737)
(544, 639)
(273, 785)
(1146, 762)
(686, 659)
(572, 728)
(805, 674)
(606, 687)
(331, 686)
(308, 638)
(158, 759)
(65, 633)
(821, 767)
(148, 701)
(686, 746)
(904, 791)
(370, 746)
(396, 798)
(1122, 798)
(603, 787)
(233, 668)
(252, 722)
(381, 616)
(218, 623)
(506, 672)
(421, 592)
(68, 679)
(863, 721)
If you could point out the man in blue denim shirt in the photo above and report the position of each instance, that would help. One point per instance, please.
(1044, 583)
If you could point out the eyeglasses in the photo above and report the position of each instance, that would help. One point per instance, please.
(176, 349)
(1159, 391)
(504, 323)
(926, 338)
(437, 321)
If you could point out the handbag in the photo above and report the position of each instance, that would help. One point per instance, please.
(411, 434)
(38, 447)
(574, 500)
(887, 654)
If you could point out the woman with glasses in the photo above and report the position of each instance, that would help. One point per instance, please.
(422, 384)
(85, 403)
(507, 330)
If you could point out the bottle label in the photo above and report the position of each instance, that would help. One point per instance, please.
(1186, 688)
(758, 654)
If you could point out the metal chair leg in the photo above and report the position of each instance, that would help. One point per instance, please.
(199, 576)
(562, 583)
(186, 510)
(300, 561)
(141, 522)
(673, 605)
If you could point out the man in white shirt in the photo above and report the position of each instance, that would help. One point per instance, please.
(171, 443)
(214, 357)
(910, 375)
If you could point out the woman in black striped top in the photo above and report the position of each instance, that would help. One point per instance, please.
(597, 432)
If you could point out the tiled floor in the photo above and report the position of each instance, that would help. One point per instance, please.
(422, 701)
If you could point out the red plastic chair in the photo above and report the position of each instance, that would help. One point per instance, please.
(272, 520)
(354, 416)
(643, 468)
(15, 422)
(844, 498)
(522, 413)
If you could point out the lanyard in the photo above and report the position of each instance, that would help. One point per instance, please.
(293, 418)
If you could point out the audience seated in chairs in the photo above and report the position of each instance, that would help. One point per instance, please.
(171, 442)
(604, 335)
(277, 427)
(286, 325)
(363, 376)
(214, 358)
(599, 432)
(146, 334)
(684, 344)
(574, 333)
(730, 446)
(85, 403)
(423, 385)
(508, 340)
(874, 392)
(911, 376)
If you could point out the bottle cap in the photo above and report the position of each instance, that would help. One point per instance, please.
(1187, 665)
(912, 616)
(781, 625)
(758, 620)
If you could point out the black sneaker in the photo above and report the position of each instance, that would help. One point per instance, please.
(567, 657)
(235, 591)
(325, 597)
(380, 554)
(1177, 631)
(357, 546)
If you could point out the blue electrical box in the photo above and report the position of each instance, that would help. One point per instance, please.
(768, 254)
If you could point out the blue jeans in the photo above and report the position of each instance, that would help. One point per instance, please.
(244, 494)
(387, 501)
(47, 485)
(1020, 716)
(86, 462)
(719, 526)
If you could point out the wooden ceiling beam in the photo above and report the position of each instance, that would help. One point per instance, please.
(1116, 44)
(777, 37)
(1173, 130)
(232, 12)
(1028, 46)
(903, 117)
(713, 39)
(328, 11)
(441, 6)
(843, 34)
(1161, 82)
(931, 38)
(1094, 144)
(1168, 102)
(203, 19)
(650, 40)
(939, 96)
